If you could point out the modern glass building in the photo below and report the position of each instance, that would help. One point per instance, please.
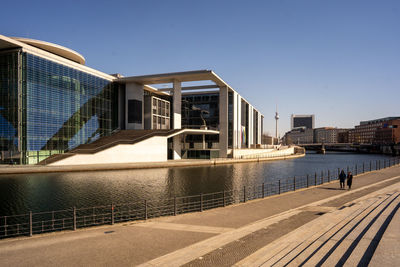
(51, 103)
(49, 107)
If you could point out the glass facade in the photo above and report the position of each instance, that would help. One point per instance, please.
(193, 107)
(197, 110)
(61, 107)
(9, 105)
(230, 119)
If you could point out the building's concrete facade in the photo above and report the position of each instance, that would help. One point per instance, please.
(101, 104)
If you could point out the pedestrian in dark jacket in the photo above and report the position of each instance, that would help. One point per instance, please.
(342, 177)
(349, 179)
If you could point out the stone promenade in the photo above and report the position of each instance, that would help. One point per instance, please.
(322, 226)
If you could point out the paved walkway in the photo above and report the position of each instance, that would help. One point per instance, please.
(323, 225)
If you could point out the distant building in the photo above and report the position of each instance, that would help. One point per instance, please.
(307, 121)
(343, 136)
(366, 132)
(389, 133)
(329, 135)
(299, 135)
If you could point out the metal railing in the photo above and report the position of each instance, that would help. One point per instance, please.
(74, 218)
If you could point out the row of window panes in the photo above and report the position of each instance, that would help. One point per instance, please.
(160, 107)
(160, 122)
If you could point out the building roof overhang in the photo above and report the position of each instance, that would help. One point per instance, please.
(194, 131)
(54, 49)
(62, 55)
(186, 76)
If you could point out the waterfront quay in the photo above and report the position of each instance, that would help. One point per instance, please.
(316, 225)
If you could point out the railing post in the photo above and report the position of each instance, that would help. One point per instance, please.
(356, 170)
(279, 186)
(223, 197)
(175, 206)
(370, 165)
(338, 173)
(315, 182)
(244, 193)
(5, 225)
(145, 209)
(112, 214)
(52, 220)
(329, 176)
(74, 218)
(201, 201)
(347, 169)
(363, 168)
(322, 177)
(307, 180)
(263, 190)
(30, 224)
(294, 183)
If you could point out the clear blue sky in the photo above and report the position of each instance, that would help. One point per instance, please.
(337, 59)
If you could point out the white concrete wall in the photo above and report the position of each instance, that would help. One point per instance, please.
(262, 153)
(134, 91)
(150, 150)
(177, 105)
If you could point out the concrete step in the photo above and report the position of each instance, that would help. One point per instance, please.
(344, 220)
(310, 243)
(353, 247)
(388, 250)
(335, 247)
(311, 235)
(371, 235)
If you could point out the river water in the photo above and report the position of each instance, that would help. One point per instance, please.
(55, 191)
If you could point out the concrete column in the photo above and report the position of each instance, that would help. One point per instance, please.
(177, 147)
(223, 122)
(177, 104)
(259, 128)
(239, 121)
(235, 121)
(250, 129)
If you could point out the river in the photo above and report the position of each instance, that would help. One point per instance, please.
(54, 191)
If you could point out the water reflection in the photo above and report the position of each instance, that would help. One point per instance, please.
(42, 192)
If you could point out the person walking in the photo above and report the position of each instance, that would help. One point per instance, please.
(342, 177)
(349, 179)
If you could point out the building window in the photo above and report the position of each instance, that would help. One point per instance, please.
(134, 111)
(160, 113)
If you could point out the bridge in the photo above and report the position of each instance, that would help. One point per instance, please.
(345, 147)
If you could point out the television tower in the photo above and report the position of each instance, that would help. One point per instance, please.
(276, 122)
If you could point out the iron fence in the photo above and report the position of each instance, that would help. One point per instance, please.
(74, 218)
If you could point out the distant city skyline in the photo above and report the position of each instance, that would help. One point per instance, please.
(338, 60)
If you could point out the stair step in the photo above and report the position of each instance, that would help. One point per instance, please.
(388, 250)
(328, 241)
(334, 249)
(291, 248)
(370, 235)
